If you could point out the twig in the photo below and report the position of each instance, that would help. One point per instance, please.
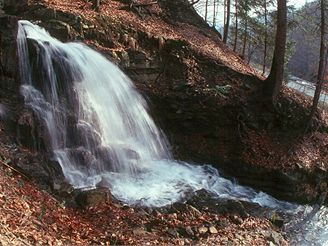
(193, 3)
(14, 169)
(142, 4)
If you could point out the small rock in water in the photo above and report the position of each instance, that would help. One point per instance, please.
(213, 230)
(277, 220)
(202, 230)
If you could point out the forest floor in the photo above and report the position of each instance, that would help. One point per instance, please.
(30, 216)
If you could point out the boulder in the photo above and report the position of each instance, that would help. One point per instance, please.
(26, 130)
(59, 29)
(89, 198)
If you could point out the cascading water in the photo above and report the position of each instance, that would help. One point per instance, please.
(101, 134)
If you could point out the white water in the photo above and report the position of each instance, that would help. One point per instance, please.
(116, 143)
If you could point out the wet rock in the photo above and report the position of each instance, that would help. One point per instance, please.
(106, 154)
(93, 197)
(60, 30)
(82, 156)
(276, 238)
(56, 174)
(62, 188)
(26, 130)
(277, 220)
(125, 59)
(86, 135)
(104, 183)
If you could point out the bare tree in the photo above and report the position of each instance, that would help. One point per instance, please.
(321, 69)
(275, 78)
(227, 23)
(265, 35)
(214, 13)
(206, 9)
(236, 26)
(245, 36)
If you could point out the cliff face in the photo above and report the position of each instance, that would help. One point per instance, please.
(207, 100)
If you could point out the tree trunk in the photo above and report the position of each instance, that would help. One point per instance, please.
(250, 53)
(214, 13)
(265, 36)
(224, 12)
(275, 78)
(245, 38)
(321, 69)
(236, 26)
(226, 26)
(206, 9)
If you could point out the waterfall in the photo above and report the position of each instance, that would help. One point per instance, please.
(111, 122)
(97, 127)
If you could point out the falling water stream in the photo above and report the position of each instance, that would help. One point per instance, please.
(101, 134)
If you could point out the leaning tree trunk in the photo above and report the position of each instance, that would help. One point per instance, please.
(321, 69)
(226, 26)
(275, 78)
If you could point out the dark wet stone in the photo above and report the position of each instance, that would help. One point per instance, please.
(90, 198)
(277, 220)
